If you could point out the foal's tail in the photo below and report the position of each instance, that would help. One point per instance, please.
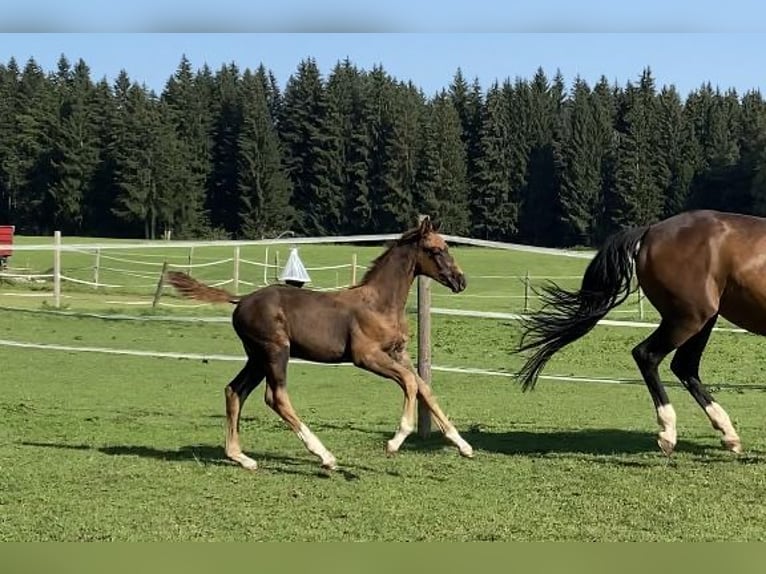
(568, 315)
(190, 287)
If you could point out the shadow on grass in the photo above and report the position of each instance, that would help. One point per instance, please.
(579, 441)
(576, 442)
(601, 446)
(207, 455)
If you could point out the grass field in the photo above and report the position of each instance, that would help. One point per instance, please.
(496, 277)
(103, 447)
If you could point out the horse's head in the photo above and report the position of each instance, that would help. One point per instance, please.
(434, 259)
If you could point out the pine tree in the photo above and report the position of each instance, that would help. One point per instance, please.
(346, 89)
(495, 210)
(310, 132)
(606, 102)
(189, 109)
(395, 176)
(99, 198)
(442, 189)
(717, 184)
(10, 175)
(676, 151)
(223, 190)
(752, 143)
(469, 102)
(640, 171)
(539, 222)
(264, 186)
(147, 153)
(579, 162)
(75, 151)
(35, 120)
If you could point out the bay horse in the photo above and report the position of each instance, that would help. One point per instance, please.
(365, 324)
(692, 267)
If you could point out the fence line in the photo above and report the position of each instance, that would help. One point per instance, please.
(434, 311)
(188, 265)
(519, 317)
(58, 247)
(211, 243)
(443, 369)
(370, 238)
(238, 358)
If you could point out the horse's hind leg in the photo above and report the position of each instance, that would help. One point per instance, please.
(277, 398)
(685, 365)
(648, 355)
(236, 393)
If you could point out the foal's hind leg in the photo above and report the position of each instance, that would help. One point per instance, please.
(236, 393)
(648, 355)
(277, 398)
(685, 365)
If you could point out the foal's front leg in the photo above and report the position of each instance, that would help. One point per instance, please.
(424, 391)
(402, 372)
(382, 364)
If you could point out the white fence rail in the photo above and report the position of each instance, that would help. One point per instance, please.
(106, 260)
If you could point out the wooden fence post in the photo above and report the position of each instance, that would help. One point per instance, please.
(57, 269)
(235, 278)
(640, 304)
(191, 257)
(424, 348)
(96, 268)
(353, 269)
(266, 267)
(160, 283)
(276, 265)
(526, 292)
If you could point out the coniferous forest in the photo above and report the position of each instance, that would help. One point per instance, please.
(230, 153)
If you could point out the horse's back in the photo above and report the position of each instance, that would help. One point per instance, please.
(706, 261)
(314, 324)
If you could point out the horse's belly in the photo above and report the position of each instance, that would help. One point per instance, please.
(319, 348)
(745, 307)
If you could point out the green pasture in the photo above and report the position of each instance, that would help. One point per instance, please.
(105, 447)
(496, 278)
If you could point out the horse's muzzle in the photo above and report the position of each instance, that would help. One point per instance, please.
(458, 283)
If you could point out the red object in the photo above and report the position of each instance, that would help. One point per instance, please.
(6, 240)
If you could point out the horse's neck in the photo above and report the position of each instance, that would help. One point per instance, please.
(392, 279)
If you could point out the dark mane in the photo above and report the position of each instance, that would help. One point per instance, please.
(409, 237)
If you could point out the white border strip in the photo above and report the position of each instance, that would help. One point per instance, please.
(518, 317)
(229, 358)
(227, 319)
(303, 240)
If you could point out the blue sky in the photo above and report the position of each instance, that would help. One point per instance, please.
(684, 43)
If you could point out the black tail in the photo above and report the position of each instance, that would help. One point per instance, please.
(568, 315)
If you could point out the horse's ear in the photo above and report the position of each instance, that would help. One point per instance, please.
(426, 226)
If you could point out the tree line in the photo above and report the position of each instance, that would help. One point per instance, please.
(228, 153)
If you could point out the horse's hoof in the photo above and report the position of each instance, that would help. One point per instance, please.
(733, 445)
(245, 462)
(391, 449)
(330, 465)
(666, 446)
(467, 452)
